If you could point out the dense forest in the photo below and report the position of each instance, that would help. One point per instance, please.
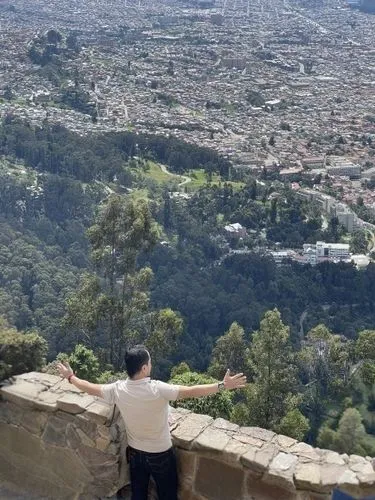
(89, 265)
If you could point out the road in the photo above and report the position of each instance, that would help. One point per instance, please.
(185, 181)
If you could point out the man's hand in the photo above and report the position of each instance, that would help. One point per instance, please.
(236, 382)
(65, 369)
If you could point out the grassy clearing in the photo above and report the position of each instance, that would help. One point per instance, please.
(199, 179)
(139, 194)
(155, 173)
(16, 169)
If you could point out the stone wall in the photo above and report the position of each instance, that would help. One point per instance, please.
(58, 443)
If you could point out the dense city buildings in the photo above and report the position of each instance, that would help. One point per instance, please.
(280, 86)
(230, 77)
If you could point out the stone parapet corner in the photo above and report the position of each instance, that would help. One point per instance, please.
(41, 391)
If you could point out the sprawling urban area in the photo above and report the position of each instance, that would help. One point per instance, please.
(284, 86)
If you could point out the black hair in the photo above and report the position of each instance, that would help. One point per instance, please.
(135, 358)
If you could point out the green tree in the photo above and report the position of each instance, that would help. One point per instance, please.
(325, 366)
(326, 437)
(253, 190)
(350, 433)
(294, 424)
(365, 353)
(116, 302)
(271, 394)
(231, 351)
(365, 345)
(180, 369)
(20, 352)
(273, 211)
(216, 405)
(358, 242)
(84, 363)
(240, 414)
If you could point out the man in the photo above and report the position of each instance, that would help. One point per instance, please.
(144, 406)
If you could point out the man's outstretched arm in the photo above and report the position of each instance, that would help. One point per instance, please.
(196, 391)
(66, 371)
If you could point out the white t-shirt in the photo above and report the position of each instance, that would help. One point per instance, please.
(143, 405)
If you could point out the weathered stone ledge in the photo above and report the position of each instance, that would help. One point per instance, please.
(59, 442)
(227, 461)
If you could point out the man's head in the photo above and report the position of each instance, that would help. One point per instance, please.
(138, 362)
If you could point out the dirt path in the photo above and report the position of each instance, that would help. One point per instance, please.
(185, 181)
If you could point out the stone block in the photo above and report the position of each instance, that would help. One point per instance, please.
(189, 429)
(79, 420)
(225, 425)
(281, 471)
(348, 480)
(88, 426)
(329, 475)
(364, 468)
(258, 433)
(105, 432)
(259, 460)
(226, 485)
(260, 490)
(34, 421)
(307, 476)
(85, 439)
(101, 444)
(234, 450)
(211, 439)
(47, 401)
(367, 480)
(306, 451)
(72, 437)
(101, 465)
(186, 464)
(332, 457)
(357, 459)
(283, 461)
(54, 432)
(243, 438)
(284, 442)
(63, 387)
(99, 412)
(40, 378)
(11, 413)
(22, 393)
(73, 403)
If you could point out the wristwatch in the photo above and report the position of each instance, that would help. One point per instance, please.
(221, 386)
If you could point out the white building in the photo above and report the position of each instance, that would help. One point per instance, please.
(338, 251)
(280, 256)
(236, 230)
(343, 167)
(321, 251)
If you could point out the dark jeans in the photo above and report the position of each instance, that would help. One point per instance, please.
(161, 466)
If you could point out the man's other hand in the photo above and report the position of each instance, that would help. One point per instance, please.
(236, 382)
(65, 369)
